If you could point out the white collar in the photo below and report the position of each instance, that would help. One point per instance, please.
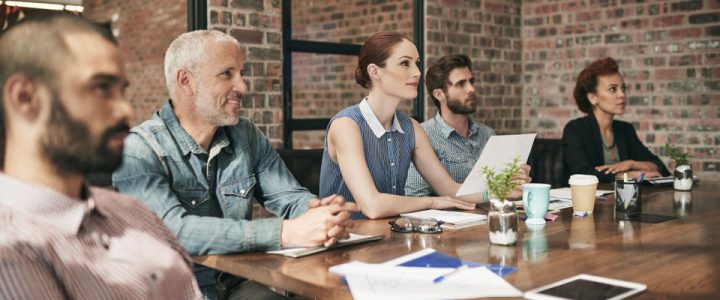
(374, 123)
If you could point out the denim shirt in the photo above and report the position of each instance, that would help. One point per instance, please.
(206, 197)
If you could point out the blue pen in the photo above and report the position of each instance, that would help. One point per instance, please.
(642, 176)
(446, 275)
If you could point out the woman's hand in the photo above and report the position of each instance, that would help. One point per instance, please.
(622, 166)
(636, 174)
(520, 178)
(445, 202)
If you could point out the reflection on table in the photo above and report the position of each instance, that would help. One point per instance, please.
(679, 258)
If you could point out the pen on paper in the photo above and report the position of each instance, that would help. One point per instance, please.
(446, 275)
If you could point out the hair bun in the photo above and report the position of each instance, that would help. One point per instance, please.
(360, 77)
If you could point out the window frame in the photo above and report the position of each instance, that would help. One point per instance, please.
(290, 45)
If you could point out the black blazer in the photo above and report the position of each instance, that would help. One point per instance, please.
(582, 147)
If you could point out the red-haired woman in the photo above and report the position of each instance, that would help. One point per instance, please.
(597, 144)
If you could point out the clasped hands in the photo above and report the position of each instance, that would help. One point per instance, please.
(325, 222)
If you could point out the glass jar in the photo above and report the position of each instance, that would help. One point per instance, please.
(502, 222)
(683, 178)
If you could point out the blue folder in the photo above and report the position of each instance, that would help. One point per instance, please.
(438, 259)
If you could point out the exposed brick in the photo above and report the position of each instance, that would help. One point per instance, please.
(685, 33)
(681, 87)
(713, 85)
(617, 38)
(704, 18)
(713, 30)
(666, 21)
(247, 36)
(258, 5)
(687, 5)
(264, 53)
(533, 21)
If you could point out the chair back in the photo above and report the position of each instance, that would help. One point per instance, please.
(546, 162)
(304, 164)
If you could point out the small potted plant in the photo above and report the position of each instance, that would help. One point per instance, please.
(502, 218)
(683, 172)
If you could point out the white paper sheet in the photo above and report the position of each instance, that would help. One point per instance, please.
(374, 281)
(447, 216)
(498, 152)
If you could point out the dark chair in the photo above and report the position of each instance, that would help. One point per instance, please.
(304, 164)
(546, 160)
(103, 180)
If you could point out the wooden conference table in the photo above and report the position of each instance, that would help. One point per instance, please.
(679, 258)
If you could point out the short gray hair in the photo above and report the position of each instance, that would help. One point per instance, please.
(188, 51)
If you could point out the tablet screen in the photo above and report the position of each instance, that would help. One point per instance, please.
(585, 290)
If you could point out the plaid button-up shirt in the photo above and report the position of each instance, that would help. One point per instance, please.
(108, 246)
(455, 152)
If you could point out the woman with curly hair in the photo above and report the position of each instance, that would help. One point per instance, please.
(598, 144)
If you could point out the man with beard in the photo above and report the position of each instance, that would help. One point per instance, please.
(200, 167)
(457, 140)
(63, 113)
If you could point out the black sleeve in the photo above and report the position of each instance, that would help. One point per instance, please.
(639, 152)
(575, 157)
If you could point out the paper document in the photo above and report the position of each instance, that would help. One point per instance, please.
(429, 258)
(499, 151)
(374, 281)
(558, 204)
(302, 251)
(451, 219)
(565, 193)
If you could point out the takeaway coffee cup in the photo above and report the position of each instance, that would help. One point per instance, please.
(583, 189)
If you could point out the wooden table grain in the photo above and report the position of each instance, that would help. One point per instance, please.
(677, 259)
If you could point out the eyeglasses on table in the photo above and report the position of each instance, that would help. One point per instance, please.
(406, 225)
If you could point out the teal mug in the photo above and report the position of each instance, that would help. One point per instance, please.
(536, 198)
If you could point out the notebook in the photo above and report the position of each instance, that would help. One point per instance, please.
(303, 251)
(450, 219)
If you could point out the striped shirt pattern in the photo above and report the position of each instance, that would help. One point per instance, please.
(457, 154)
(108, 246)
(387, 154)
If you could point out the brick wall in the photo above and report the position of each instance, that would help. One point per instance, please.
(144, 30)
(669, 54)
(489, 32)
(257, 25)
(526, 54)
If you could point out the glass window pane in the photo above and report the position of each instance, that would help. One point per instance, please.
(311, 139)
(349, 21)
(323, 84)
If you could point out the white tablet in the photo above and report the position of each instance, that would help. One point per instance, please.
(586, 287)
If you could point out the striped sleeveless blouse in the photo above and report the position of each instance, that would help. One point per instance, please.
(387, 157)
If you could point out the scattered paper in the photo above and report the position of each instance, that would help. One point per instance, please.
(566, 193)
(499, 151)
(376, 281)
